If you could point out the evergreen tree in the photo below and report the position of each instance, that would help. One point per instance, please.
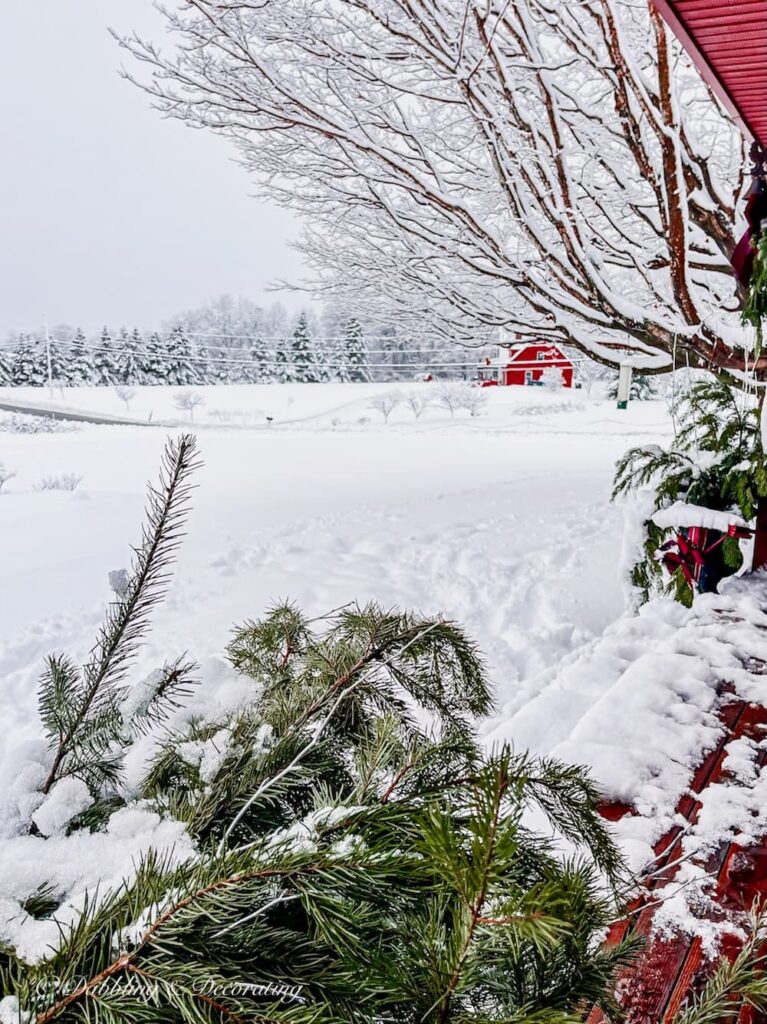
(104, 360)
(282, 369)
(258, 369)
(6, 367)
(129, 357)
(207, 367)
(61, 361)
(29, 367)
(642, 388)
(154, 362)
(354, 353)
(305, 367)
(181, 370)
(81, 369)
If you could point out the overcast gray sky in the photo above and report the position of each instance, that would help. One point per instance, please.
(108, 212)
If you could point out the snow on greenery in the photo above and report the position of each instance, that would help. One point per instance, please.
(181, 765)
(340, 828)
(715, 464)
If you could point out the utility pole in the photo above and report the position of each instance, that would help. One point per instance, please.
(48, 357)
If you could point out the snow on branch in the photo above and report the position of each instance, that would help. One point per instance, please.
(541, 166)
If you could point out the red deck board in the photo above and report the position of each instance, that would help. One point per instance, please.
(727, 40)
(670, 970)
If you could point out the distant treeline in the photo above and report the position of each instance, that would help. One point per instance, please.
(175, 357)
(233, 340)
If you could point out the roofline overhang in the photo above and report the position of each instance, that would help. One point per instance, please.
(678, 25)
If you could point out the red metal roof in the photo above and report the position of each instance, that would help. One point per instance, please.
(727, 39)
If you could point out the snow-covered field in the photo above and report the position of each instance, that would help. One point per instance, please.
(501, 521)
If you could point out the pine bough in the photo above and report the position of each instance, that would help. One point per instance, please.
(357, 857)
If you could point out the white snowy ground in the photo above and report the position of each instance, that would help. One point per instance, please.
(502, 522)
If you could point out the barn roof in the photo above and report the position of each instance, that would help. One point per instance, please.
(727, 40)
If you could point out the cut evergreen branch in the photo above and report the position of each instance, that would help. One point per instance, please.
(81, 710)
(736, 984)
(435, 908)
(350, 854)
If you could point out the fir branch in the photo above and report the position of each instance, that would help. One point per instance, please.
(82, 712)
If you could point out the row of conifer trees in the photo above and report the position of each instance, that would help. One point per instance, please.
(179, 359)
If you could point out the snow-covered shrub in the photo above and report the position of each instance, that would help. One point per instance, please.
(456, 395)
(5, 475)
(386, 403)
(188, 401)
(642, 388)
(21, 423)
(475, 401)
(125, 394)
(553, 378)
(450, 396)
(417, 401)
(60, 482)
(715, 464)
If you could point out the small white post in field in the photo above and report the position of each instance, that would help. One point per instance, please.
(624, 385)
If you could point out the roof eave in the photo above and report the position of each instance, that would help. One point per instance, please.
(710, 77)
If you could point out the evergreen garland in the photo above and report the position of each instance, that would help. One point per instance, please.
(716, 461)
(755, 309)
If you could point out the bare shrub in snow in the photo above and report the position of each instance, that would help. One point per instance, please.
(5, 475)
(386, 403)
(61, 482)
(452, 396)
(474, 401)
(416, 401)
(125, 394)
(188, 401)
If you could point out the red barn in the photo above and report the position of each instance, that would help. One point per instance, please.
(525, 364)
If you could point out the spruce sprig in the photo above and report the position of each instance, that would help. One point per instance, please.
(81, 710)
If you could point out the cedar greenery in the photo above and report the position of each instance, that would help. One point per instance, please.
(716, 460)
